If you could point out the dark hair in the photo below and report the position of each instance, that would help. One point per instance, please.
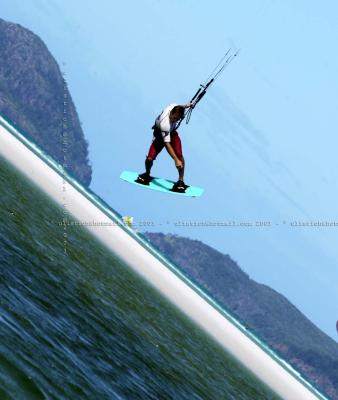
(179, 110)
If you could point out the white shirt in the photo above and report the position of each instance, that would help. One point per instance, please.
(163, 123)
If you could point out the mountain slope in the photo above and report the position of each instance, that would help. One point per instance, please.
(35, 97)
(263, 310)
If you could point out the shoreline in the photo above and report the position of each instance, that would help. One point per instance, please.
(139, 256)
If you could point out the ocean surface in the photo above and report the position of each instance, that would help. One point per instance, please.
(82, 325)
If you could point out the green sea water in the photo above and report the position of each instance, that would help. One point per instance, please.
(82, 325)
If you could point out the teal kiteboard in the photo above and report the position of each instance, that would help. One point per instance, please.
(161, 185)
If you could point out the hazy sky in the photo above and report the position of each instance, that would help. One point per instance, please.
(263, 142)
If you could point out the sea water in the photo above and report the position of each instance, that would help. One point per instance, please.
(77, 323)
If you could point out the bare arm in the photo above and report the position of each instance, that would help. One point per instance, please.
(173, 155)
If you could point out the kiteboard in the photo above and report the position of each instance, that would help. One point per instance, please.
(161, 185)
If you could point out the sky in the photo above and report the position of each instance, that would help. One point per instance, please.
(262, 142)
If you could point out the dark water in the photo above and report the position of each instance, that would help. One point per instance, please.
(82, 325)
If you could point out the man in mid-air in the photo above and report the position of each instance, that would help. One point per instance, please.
(165, 135)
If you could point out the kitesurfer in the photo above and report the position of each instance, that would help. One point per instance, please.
(166, 135)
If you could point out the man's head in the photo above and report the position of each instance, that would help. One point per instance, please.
(176, 113)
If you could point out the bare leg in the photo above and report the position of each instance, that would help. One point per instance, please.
(148, 164)
(145, 177)
(181, 170)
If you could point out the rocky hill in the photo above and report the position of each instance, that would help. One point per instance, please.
(32, 94)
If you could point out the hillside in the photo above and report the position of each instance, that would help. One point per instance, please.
(263, 310)
(32, 94)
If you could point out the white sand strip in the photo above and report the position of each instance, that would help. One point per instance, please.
(123, 242)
